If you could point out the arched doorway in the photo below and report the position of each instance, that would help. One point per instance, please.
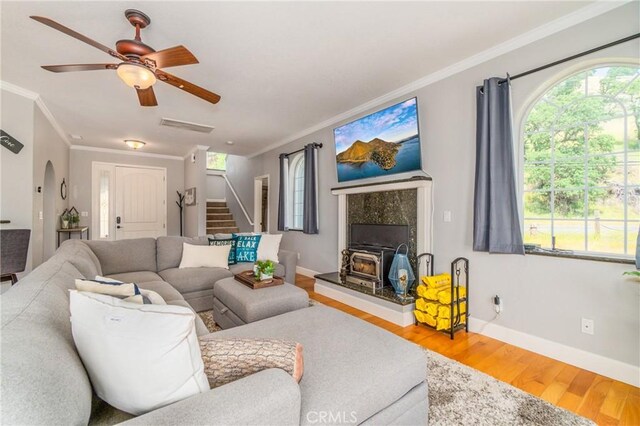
(50, 217)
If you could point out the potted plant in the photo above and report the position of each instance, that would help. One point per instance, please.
(64, 218)
(264, 269)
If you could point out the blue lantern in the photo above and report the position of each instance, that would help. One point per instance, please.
(400, 273)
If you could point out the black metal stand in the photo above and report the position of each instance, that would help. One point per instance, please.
(459, 277)
(459, 266)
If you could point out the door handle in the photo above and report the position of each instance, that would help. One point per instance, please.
(118, 226)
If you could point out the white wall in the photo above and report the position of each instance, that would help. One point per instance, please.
(215, 187)
(80, 181)
(16, 174)
(543, 297)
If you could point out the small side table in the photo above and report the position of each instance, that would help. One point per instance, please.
(71, 231)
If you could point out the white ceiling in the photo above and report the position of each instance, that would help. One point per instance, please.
(280, 67)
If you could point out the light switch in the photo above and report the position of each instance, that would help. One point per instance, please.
(84, 214)
(446, 216)
(40, 215)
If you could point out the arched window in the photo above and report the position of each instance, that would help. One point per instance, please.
(582, 163)
(296, 191)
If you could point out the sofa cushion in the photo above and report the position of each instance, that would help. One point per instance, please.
(136, 277)
(350, 366)
(43, 379)
(248, 266)
(164, 289)
(170, 250)
(193, 279)
(81, 256)
(201, 328)
(116, 257)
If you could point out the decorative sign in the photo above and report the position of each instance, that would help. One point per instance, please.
(190, 197)
(10, 142)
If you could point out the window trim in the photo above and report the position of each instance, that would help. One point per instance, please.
(527, 106)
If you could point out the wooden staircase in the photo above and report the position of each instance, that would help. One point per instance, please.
(219, 218)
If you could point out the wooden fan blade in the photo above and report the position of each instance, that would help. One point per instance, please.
(147, 97)
(79, 67)
(68, 31)
(171, 57)
(188, 87)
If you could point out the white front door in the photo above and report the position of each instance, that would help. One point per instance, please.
(140, 205)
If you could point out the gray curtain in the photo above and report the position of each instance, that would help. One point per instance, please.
(282, 193)
(496, 221)
(310, 207)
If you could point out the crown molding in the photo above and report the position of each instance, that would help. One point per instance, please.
(123, 152)
(25, 93)
(543, 31)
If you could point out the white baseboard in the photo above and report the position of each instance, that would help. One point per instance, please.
(392, 312)
(604, 366)
(307, 272)
(216, 200)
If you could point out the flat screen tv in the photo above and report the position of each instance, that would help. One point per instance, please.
(383, 143)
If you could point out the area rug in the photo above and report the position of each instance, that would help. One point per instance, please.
(460, 395)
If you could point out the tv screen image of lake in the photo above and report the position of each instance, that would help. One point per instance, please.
(407, 158)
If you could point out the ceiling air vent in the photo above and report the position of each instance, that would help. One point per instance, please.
(185, 125)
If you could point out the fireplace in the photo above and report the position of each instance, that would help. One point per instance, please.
(405, 206)
(368, 258)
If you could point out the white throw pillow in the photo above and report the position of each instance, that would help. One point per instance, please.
(268, 247)
(204, 256)
(139, 357)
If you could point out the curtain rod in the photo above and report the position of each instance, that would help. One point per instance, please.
(315, 145)
(569, 58)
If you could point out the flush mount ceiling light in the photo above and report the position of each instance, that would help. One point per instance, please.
(136, 76)
(134, 144)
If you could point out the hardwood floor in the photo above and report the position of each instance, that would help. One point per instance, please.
(601, 399)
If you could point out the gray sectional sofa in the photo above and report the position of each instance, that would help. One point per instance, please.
(355, 373)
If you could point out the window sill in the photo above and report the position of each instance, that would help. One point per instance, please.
(570, 255)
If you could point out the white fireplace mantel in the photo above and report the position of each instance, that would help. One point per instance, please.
(424, 187)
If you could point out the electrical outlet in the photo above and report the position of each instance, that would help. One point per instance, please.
(588, 326)
(40, 216)
(446, 216)
(497, 303)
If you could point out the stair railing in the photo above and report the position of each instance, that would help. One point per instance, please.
(233, 191)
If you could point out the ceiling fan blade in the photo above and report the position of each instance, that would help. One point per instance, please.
(188, 87)
(147, 97)
(171, 57)
(79, 67)
(68, 31)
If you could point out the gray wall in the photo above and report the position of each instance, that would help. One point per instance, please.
(215, 187)
(241, 172)
(16, 172)
(542, 296)
(80, 164)
(48, 146)
(195, 176)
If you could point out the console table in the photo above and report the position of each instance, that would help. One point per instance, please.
(71, 231)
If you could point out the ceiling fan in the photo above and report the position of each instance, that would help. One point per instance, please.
(141, 65)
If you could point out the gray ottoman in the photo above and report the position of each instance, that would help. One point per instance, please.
(236, 304)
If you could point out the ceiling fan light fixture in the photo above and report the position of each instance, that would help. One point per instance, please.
(134, 144)
(136, 75)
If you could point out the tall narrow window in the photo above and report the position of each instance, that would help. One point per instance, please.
(296, 191)
(582, 163)
(105, 179)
